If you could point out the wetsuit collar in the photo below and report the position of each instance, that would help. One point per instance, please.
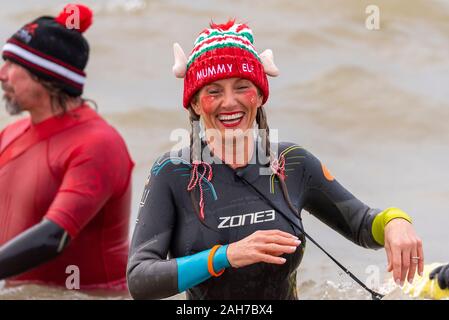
(251, 172)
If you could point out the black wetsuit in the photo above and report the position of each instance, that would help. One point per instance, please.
(168, 224)
(442, 274)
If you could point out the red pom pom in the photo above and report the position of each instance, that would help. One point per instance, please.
(223, 27)
(75, 16)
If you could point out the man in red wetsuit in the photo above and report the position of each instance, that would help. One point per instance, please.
(65, 174)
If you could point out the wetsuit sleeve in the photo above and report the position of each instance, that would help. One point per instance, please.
(193, 270)
(331, 203)
(94, 172)
(383, 218)
(31, 248)
(150, 274)
(442, 274)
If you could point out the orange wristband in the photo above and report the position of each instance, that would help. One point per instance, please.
(210, 262)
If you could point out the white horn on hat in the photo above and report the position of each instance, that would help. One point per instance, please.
(268, 63)
(180, 66)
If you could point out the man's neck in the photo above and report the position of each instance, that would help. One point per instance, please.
(45, 111)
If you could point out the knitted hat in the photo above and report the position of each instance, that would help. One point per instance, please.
(54, 49)
(223, 51)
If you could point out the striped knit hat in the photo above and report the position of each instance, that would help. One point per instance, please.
(54, 49)
(223, 51)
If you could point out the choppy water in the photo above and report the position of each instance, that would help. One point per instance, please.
(372, 105)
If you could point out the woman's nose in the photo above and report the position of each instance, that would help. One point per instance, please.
(229, 99)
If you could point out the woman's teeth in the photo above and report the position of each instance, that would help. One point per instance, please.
(235, 116)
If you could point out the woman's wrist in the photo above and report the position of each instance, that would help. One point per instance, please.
(221, 261)
(383, 218)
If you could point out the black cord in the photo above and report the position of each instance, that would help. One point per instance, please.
(374, 295)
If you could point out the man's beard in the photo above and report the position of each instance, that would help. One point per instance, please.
(12, 107)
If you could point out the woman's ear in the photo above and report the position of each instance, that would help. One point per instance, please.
(259, 98)
(194, 105)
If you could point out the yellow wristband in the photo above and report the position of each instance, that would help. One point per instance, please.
(382, 219)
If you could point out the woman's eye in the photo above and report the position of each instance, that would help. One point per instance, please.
(242, 87)
(213, 91)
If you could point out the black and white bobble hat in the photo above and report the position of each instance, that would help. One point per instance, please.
(54, 49)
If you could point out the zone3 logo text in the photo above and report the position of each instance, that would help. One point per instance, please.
(248, 218)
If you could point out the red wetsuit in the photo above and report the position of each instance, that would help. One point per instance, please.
(74, 170)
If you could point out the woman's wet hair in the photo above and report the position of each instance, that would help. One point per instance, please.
(262, 123)
(195, 142)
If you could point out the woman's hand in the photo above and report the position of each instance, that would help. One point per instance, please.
(262, 246)
(404, 250)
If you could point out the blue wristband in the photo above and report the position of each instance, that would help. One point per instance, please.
(192, 270)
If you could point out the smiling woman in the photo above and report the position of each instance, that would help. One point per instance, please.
(228, 103)
(230, 230)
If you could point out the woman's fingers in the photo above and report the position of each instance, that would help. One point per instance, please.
(389, 258)
(273, 236)
(262, 246)
(405, 263)
(396, 258)
(404, 250)
(278, 232)
(270, 259)
(421, 258)
(276, 249)
(283, 241)
(416, 260)
(413, 265)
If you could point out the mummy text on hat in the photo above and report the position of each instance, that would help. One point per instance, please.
(221, 68)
